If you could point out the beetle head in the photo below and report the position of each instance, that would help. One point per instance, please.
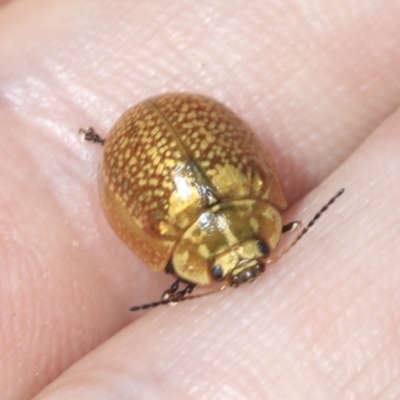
(242, 263)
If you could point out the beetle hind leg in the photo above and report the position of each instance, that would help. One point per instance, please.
(291, 226)
(90, 135)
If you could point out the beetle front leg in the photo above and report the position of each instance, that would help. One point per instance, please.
(171, 291)
(172, 294)
(185, 292)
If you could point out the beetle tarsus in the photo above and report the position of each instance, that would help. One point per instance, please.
(90, 135)
(290, 226)
(171, 291)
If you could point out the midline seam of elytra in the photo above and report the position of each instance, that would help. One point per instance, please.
(175, 134)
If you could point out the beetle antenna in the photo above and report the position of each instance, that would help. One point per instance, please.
(173, 301)
(308, 226)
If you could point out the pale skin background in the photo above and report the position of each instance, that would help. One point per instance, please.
(319, 82)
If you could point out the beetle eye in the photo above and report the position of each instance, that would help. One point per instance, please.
(217, 273)
(263, 248)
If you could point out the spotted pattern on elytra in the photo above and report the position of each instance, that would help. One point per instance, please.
(222, 145)
(169, 158)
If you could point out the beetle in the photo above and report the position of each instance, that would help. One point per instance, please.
(186, 185)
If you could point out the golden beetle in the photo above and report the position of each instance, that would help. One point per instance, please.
(186, 185)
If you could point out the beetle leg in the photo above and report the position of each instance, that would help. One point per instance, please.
(184, 293)
(172, 294)
(169, 269)
(171, 291)
(291, 226)
(90, 135)
(188, 289)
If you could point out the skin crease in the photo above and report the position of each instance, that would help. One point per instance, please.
(318, 82)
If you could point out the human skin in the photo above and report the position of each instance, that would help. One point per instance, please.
(319, 84)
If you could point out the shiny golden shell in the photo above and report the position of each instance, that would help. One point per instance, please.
(171, 157)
